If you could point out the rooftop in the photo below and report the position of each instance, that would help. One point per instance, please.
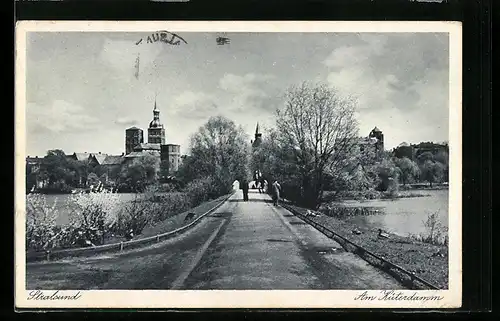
(142, 153)
(34, 159)
(147, 146)
(81, 156)
(100, 158)
(113, 160)
(404, 144)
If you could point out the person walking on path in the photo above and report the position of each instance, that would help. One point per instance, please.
(276, 192)
(261, 185)
(244, 187)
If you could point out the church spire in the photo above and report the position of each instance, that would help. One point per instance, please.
(258, 136)
(156, 131)
(155, 123)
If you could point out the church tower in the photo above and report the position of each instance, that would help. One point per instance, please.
(133, 137)
(156, 132)
(258, 137)
(377, 133)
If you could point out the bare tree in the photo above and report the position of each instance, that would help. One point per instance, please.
(318, 127)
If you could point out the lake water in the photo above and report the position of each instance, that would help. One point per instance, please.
(65, 205)
(403, 216)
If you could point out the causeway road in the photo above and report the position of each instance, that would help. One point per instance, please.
(250, 245)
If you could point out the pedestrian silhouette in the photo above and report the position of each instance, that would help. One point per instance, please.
(276, 192)
(244, 187)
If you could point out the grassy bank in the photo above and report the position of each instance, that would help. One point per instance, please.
(427, 261)
(404, 191)
(179, 220)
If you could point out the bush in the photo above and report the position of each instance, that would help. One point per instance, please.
(201, 190)
(291, 191)
(41, 231)
(171, 204)
(95, 215)
(392, 189)
(435, 232)
(133, 218)
(337, 211)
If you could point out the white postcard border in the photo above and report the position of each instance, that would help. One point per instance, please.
(451, 298)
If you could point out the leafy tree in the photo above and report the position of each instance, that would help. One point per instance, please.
(114, 172)
(93, 180)
(432, 172)
(143, 171)
(388, 175)
(424, 157)
(442, 156)
(316, 130)
(164, 170)
(31, 178)
(187, 171)
(56, 167)
(357, 173)
(404, 151)
(408, 169)
(61, 172)
(218, 149)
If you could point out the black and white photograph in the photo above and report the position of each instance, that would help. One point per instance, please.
(165, 160)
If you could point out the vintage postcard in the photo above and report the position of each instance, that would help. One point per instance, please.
(212, 164)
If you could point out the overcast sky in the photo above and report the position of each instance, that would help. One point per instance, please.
(82, 93)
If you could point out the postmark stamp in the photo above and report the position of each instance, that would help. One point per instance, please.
(163, 37)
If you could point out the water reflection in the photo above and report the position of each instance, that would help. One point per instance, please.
(405, 215)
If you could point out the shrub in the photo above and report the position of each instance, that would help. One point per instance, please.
(41, 232)
(392, 189)
(170, 204)
(95, 215)
(168, 187)
(201, 190)
(339, 211)
(435, 232)
(133, 217)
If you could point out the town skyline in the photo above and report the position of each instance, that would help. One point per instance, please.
(86, 100)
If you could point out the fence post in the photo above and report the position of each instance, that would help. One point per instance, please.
(158, 238)
(121, 246)
(48, 255)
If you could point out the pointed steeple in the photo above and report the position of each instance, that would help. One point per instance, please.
(258, 137)
(155, 123)
(156, 94)
(156, 131)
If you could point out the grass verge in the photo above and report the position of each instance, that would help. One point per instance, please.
(427, 261)
(179, 220)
